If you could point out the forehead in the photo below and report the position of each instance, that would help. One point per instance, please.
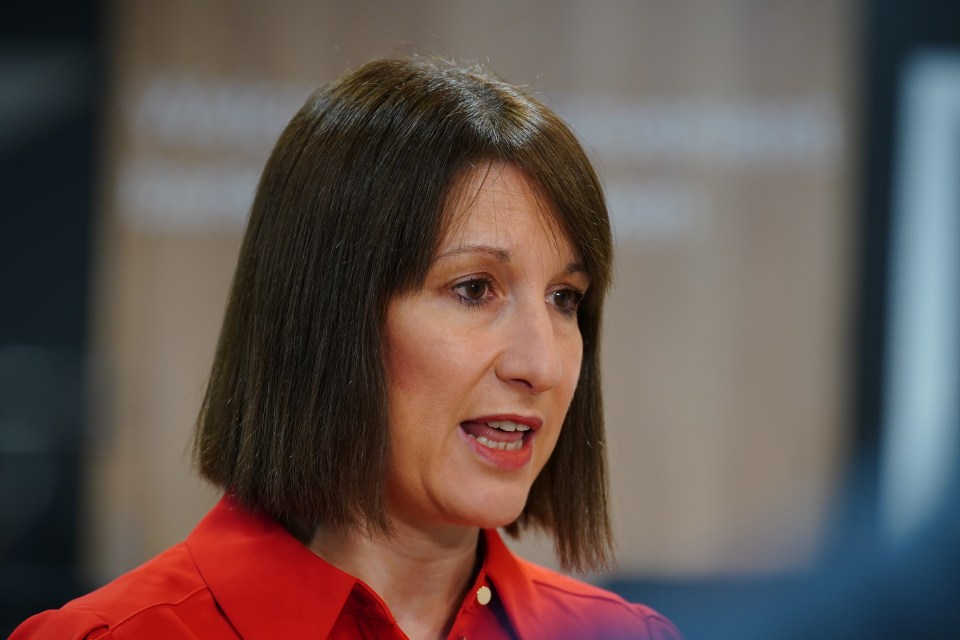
(497, 203)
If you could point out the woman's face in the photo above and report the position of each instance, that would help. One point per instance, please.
(483, 360)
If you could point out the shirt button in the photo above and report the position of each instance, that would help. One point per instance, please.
(484, 595)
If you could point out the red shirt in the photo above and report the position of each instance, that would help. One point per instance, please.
(241, 575)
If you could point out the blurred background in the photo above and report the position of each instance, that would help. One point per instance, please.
(782, 346)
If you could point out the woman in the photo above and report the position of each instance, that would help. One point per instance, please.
(409, 360)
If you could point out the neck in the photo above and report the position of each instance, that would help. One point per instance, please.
(421, 573)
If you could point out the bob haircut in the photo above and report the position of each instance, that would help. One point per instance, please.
(348, 214)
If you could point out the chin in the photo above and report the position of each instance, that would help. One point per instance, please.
(495, 522)
(497, 511)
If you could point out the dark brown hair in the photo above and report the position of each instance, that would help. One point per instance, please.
(348, 214)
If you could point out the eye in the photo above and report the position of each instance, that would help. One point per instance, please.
(474, 292)
(566, 300)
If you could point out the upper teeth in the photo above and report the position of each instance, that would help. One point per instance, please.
(506, 425)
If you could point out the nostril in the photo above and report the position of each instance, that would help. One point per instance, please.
(523, 383)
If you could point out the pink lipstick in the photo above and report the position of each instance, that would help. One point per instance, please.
(504, 440)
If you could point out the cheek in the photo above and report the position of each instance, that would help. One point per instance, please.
(402, 351)
(416, 360)
(573, 361)
(426, 378)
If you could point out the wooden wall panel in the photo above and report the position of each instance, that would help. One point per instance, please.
(723, 131)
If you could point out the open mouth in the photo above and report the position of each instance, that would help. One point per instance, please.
(504, 435)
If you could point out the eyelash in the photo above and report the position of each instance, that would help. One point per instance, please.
(473, 303)
(577, 299)
(488, 285)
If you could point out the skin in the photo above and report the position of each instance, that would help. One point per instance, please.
(493, 331)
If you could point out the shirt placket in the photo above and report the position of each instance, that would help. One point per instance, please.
(474, 606)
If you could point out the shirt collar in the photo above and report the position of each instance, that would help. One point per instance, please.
(265, 580)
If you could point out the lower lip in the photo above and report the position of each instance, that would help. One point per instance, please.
(501, 458)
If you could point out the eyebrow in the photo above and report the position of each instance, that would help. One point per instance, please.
(501, 255)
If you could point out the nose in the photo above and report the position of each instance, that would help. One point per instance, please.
(532, 352)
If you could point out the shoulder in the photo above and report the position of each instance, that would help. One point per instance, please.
(573, 607)
(152, 601)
